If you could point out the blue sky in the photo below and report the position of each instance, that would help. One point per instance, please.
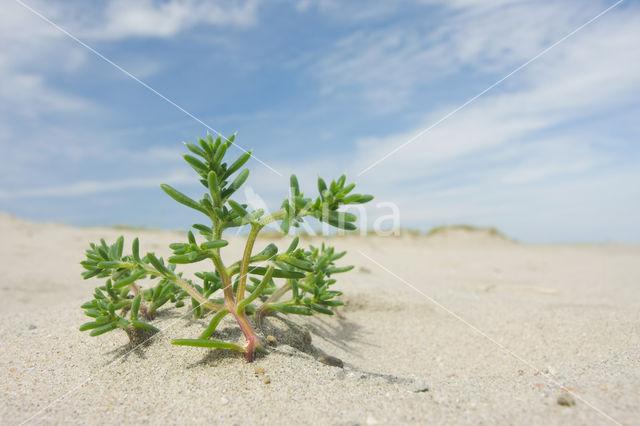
(321, 88)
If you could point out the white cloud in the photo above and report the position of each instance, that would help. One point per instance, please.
(149, 18)
(89, 187)
(395, 63)
(591, 73)
(518, 150)
(33, 50)
(30, 47)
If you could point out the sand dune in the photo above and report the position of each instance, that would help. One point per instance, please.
(451, 328)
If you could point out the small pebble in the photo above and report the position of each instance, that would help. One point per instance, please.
(331, 360)
(224, 401)
(258, 370)
(32, 327)
(420, 386)
(272, 340)
(267, 380)
(566, 400)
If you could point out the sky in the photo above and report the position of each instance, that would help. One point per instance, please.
(521, 115)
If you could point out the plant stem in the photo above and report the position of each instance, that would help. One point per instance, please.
(226, 280)
(253, 341)
(273, 217)
(275, 296)
(244, 267)
(190, 290)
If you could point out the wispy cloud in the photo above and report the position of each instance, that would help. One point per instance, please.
(91, 187)
(124, 19)
(589, 74)
(399, 63)
(29, 49)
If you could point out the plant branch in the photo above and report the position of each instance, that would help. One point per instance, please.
(226, 281)
(188, 288)
(244, 267)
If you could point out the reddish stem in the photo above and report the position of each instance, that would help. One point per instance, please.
(253, 341)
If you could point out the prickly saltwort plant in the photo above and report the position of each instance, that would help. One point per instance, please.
(292, 281)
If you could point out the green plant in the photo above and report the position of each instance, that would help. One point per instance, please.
(254, 286)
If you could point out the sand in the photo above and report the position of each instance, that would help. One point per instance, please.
(458, 327)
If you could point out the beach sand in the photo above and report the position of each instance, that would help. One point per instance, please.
(459, 327)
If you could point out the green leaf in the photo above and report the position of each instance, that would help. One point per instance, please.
(206, 343)
(196, 164)
(293, 245)
(144, 325)
(204, 230)
(220, 151)
(298, 263)
(135, 248)
(285, 225)
(266, 254)
(238, 163)
(290, 309)
(206, 146)
(110, 264)
(212, 183)
(341, 220)
(192, 257)
(293, 183)
(277, 273)
(196, 149)
(89, 326)
(321, 309)
(118, 247)
(93, 313)
(213, 244)
(155, 262)
(88, 305)
(213, 324)
(89, 274)
(128, 280)
(178, 246)
(182, 199)
(135, 307)
(331, 302)
(337, 270)
(239, 180)
(347, 189)
(342, 216)
(241, 211)
(322, 186)
(104, 329)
